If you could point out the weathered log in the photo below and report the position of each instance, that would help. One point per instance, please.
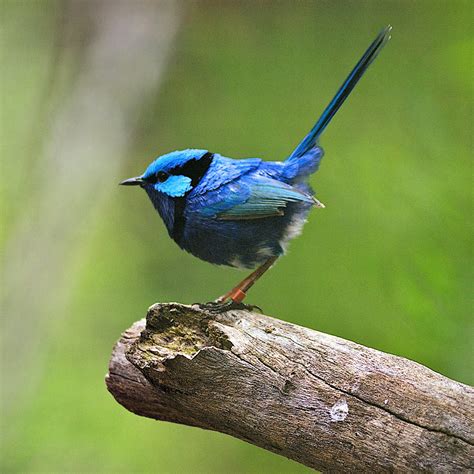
(326, 402)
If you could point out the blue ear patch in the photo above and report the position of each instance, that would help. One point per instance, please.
(175, 186)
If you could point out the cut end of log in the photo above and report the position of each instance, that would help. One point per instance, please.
(178, 330)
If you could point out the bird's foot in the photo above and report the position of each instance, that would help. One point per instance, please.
(219, 306)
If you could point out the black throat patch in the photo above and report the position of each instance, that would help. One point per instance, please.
(194, 169)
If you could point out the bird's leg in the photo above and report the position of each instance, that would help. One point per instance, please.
(233, 299)
(239, 292)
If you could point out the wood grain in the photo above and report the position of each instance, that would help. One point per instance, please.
(326, 402)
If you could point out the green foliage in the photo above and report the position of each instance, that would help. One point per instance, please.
(387, 263)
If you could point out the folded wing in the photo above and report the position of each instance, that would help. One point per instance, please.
(251, 197)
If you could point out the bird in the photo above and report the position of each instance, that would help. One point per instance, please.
(242, 212)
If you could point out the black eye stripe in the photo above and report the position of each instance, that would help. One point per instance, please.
(194, 169)
(159, 177)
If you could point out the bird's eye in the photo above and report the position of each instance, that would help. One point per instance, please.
(161, 176)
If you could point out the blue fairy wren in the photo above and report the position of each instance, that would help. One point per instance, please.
(242, 213)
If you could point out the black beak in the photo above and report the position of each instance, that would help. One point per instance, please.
(132, 182)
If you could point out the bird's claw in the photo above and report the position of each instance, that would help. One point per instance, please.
(228, 305)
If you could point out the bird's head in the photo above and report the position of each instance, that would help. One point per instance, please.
(174, 174)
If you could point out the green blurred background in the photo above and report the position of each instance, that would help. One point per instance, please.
(93, 91)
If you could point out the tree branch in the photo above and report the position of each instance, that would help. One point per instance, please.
(326, 402)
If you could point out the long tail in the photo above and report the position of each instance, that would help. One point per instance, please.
(310, 140)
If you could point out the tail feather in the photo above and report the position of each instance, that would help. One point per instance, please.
(310, 140)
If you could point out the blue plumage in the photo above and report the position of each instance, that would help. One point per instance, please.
(242, 213)
(246, 220)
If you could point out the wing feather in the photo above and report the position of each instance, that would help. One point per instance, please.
(251, 197)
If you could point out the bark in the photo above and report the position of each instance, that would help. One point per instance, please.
(326, 402)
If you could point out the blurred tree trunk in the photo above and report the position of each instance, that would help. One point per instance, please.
(115, 53)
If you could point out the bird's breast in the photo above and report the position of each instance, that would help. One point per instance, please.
(171, 211)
